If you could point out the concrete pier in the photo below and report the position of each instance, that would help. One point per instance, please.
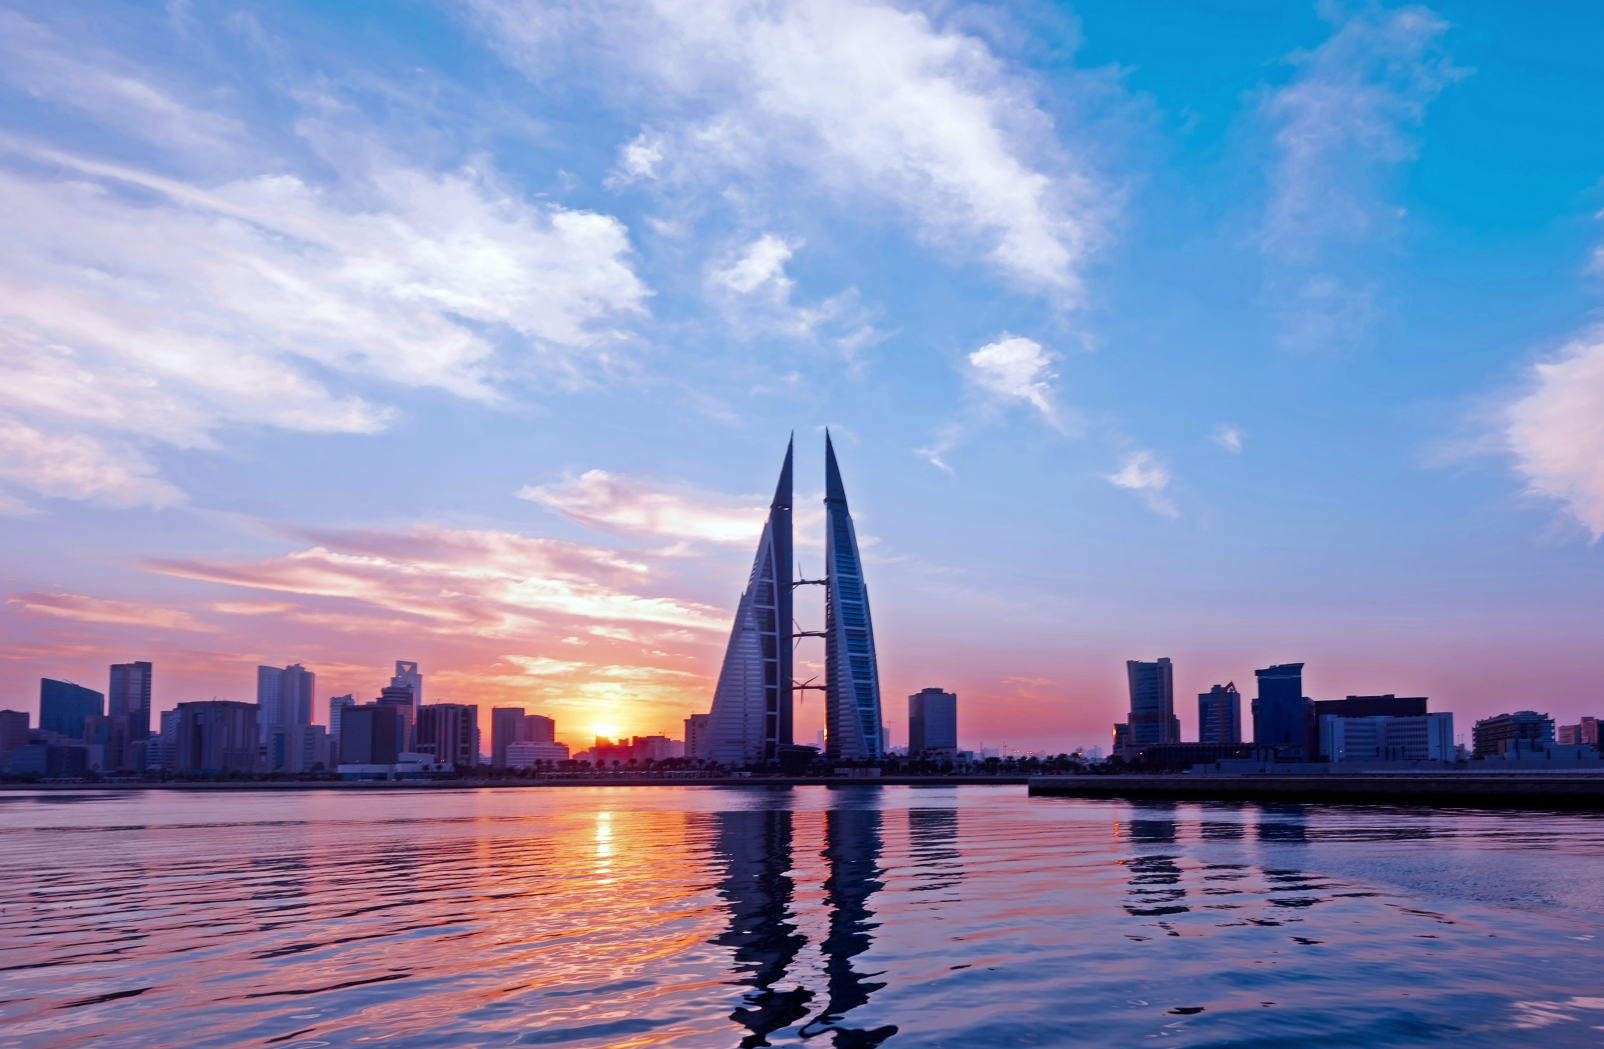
(1583, 790)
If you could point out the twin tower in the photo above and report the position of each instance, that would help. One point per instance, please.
(751, 718)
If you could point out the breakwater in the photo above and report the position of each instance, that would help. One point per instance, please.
(1584, 790)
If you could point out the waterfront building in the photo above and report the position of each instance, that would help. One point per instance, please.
(284, 696)
(1122, 738)
(407, 675)
(1423, 737)
(1152, 715)
(13, 734)
(1372, 706)
(751, 715)
(1492, 736)
(853, 725)
(1219, 714)
(63, 707)
(696, 735)
(112, 736)
(525, 755)
(1161, 756)
(129, 697)
(1583, 734)
(1283, 717)
(399, 699)
(168, 757)
(41, 758)
(509, 725)
(370, 735)
(932, 722)
(450, 732)
(217, 736)
(337, 705)
(310, 747)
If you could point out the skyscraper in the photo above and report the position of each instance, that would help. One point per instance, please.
(1219, 714)
(852, 673)
(1283, 717)
(449, 731)
(751, 716)
(284, 696)
(1152, 718)
(63, 706)
(129, 697)
(216, 736)
(406, 673)
(932, 722)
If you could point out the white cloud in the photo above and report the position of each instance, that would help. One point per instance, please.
(1143, 473)
(1556, 431)
(638, 159)
(1015, 368)
(762, 263)
(138, 305)
(1228, 437)
(75, 466)
(612, 503)
(1342, 118)
(758, 297)
(866, 98)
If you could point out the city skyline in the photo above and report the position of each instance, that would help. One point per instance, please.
(1132, 352)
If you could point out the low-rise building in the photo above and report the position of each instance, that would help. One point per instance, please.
(1492, 736)
(525, 755)
(1425, 737)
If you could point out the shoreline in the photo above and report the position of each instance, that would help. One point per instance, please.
(1517, 789)
(621, 781)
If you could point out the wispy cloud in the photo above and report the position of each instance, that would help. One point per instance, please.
(1008, 371)
(76, 466)
(1142, 472)
(1228, 437)
(1556, 431)
(858, 95)
(622, 505)
(85, 609)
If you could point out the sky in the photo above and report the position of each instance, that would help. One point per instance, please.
(472, 333)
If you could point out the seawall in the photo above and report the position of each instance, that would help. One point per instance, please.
(1583, 790)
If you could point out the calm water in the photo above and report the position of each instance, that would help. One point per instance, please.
(854, 916)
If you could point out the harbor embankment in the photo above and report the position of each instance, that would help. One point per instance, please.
(1520, 789)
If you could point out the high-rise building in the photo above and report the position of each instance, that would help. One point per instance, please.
(336, 705)
(504, 725)
(63, 707)
(1219, 714)
(696, 735)
(932, 722)
(406, 674)
(401, 700)
(370, 735)
(284, 696)
(1423, 737)
(450, 732)
(1283, 717)
(1372, 707)
(13, 733)
(129, 697)
(168, 757)
(217, 736)
(269, 697)
(112, 736)
(751, 715)
(852, 719)
(1492, 736)
(1152, 718)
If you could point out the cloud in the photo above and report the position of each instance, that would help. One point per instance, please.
(862, 97)
(757, 293)
(1343, 117)
(1143, 473)
(141, 307)
(1556, 431)
(456, 582)
(638, 160)
(1015, 368)
(621, 505)
(1228, 437)
(763, 263)
(102, 610)
(75, 466)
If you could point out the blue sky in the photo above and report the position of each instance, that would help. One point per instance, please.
(472, 333)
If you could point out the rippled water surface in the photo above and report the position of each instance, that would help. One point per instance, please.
(850, 916)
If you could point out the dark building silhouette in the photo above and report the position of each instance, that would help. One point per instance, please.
(217, 736)
(112, 734)
(63, 707)
(449, 732)
(509, 725)
(129, 697)
(1372, 706)
(1283, 717)
(1493, 736)
(370, 734)
(402, 701)
(755, 850)
(1219, 715)
(13, 734)
(1152, 716)
(852, 847)
(932, 722)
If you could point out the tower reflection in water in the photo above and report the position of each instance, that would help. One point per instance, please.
(756, 850)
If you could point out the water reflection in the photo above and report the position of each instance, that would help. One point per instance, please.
(933, 847)
(755, 849)
(852, 848)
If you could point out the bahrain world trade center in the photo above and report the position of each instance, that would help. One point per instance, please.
(751, 717)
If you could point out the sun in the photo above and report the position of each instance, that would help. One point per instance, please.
(607, 731)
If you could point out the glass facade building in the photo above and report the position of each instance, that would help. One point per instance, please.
(1219, 715)
(1283, 717)
(852, 722)
(63, 707)
(1152, 718)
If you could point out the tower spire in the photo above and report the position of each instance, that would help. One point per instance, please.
(852, 674)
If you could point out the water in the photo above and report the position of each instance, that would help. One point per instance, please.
(851, 917)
